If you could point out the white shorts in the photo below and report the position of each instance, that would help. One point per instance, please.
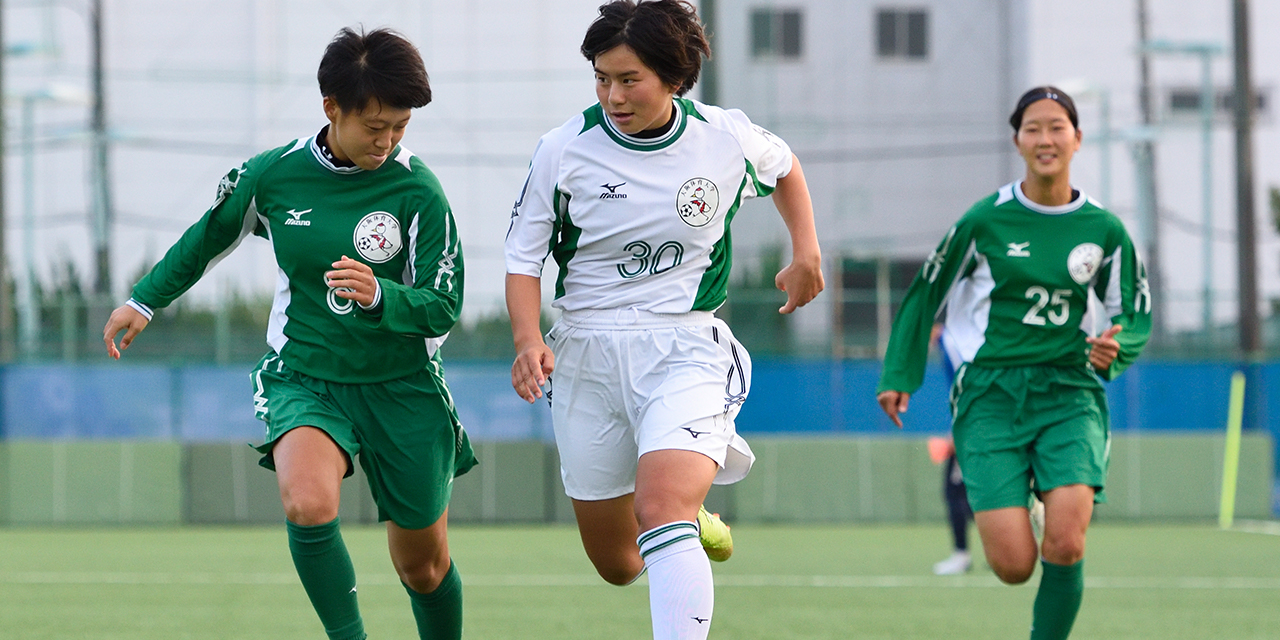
(627, 382)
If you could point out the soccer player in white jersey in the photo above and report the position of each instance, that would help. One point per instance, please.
(1045, 295)
(370, 283)
(633, 198)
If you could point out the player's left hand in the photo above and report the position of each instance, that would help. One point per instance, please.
(354, 280)
(1104, 349)
(801, 280)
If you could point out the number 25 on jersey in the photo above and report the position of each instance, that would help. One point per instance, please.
(1059, 308)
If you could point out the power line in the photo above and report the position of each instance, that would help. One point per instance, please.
(903, 152)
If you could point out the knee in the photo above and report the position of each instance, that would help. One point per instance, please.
(423, 576)
(1013, 573)
(650, 515)
(1063, 550)
(1013, 566)
(619, 567)
(308, 506)
(619, 576)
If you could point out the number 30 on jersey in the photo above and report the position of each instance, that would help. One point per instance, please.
(646, 259)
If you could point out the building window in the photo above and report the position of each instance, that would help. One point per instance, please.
(902, 33)
(1184, 102)
(776, 33)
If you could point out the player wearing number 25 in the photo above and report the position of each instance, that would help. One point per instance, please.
(370, 282)
(633, 198)
(1044, 295)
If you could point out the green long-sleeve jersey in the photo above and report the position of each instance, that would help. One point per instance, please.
(394, 219)
(1023, 284)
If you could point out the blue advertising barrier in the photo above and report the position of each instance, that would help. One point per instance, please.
(206, 403)
(196, 403)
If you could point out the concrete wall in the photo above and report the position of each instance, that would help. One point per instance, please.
(102, 482)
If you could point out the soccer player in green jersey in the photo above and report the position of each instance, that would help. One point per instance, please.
(1045, 296)
(633, 197)
(370, 282)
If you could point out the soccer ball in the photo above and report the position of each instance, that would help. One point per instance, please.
(365, 243)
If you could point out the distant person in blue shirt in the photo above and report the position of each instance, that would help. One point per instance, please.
(943, 450)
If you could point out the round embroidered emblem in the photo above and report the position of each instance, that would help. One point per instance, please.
(1083, 262)
(697, 202)
(377, 237)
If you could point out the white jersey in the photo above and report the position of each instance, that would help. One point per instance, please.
(641, 223)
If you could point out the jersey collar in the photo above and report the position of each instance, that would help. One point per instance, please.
(644, 144)
(1069, 207)
(324, 160)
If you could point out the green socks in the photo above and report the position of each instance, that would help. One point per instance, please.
(439, 613)
(328, 576)
(1057, 601)
(330, 580)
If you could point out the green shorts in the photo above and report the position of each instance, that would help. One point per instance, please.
(405, 431)
(1018, 424)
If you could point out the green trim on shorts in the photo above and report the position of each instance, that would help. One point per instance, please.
(1018, 424)
(404, 432)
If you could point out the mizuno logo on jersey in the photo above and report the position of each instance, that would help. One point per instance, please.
(297, 218)
(612, 193)
(1019, 250)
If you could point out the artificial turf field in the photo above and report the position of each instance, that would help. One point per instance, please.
(1162, 582)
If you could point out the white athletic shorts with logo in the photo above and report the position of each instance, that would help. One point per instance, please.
(627, 382)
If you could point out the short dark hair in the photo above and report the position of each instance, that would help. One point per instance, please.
(665, 34)
(1047, 92)
(380, 65)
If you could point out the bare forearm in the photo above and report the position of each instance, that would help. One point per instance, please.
(534, 361)
(802, 279)
(796, 208)
(524, 305)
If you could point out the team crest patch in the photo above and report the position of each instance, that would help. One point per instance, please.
(1083, 262)
(377, 237)
(697, 202)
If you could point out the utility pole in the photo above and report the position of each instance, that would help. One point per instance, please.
(1246, 250)
(710, 75)
(100, 180)
(1007, 163)
(6, 297)
(1205, 51)
(1148, 194)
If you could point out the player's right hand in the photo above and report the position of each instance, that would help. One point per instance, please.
(529, 372)
(124, 318)
(801, 280)
(894, 403)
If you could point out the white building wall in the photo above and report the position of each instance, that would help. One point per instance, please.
(1094, 42)
(894, 151)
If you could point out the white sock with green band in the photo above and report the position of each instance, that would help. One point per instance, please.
(681, 594)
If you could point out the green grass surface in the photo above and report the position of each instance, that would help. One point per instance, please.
(1158, 582)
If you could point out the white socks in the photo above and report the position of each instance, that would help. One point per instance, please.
(681, 595)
